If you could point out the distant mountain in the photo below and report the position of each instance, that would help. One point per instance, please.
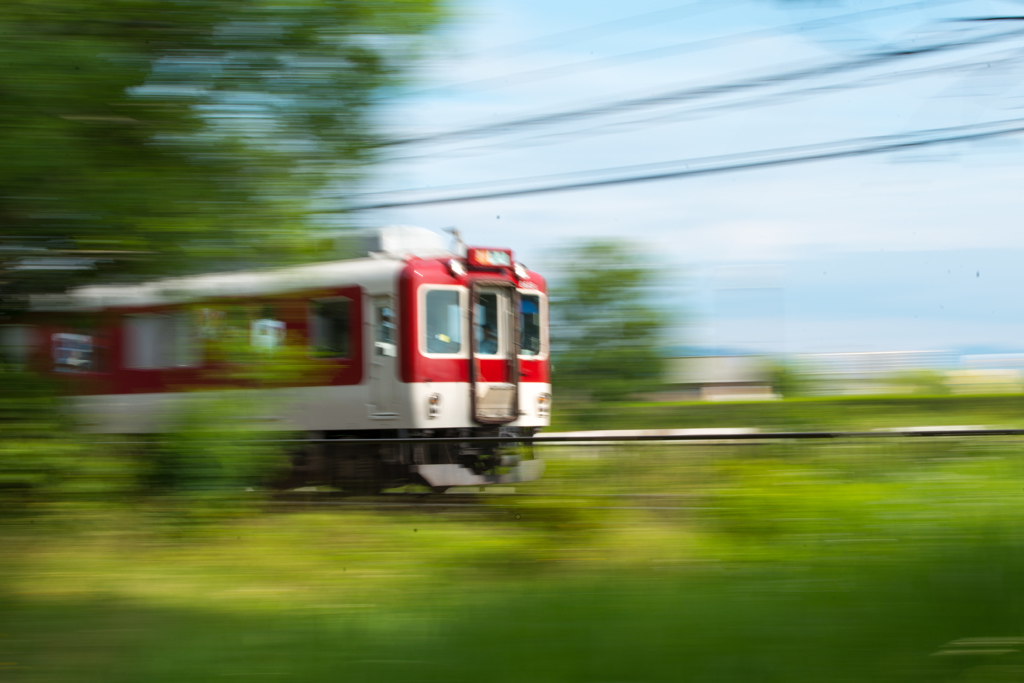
(986, 349)
(684, 351)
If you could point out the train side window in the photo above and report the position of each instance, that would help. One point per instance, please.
(16, 342)
(529, 325)
(330, 335)
(74, 353)
(158, 341)
(266, 334)
(443, 329)
(145, 342)
(386, 325)
(386, 334)
(186, 351)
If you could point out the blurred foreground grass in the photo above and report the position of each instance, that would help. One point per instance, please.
(873, 560)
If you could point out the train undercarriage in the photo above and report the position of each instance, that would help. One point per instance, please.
(370, 461)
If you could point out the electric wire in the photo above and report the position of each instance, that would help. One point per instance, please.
(755, 100)
(573, 68)
(599, 30)
(886, 58)
(710, 165)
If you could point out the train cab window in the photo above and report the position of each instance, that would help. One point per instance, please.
(443, 327)
(331, 329)
(486, 328)
(529, 325)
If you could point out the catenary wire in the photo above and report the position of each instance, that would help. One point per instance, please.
(599, 30)
(573, 68)
(784, 156)
(755, 100)
(559, 71)
(575, 176)
(885, 57)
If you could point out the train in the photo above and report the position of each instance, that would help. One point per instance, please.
(415, 340)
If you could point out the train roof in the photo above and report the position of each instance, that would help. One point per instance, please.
(389, 249)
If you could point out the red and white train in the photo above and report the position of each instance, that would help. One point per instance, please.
(411, 341)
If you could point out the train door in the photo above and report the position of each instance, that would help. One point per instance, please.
(384, 358)
(494, 365)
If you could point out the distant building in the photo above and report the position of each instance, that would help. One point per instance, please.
(737, 377)
(720, 378)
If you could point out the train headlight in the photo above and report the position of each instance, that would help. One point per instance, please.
(543, 404)
(521, 272)
(434, 406)
(457, 267)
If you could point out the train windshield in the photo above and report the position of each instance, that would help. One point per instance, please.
(529, 325)
(443, 321)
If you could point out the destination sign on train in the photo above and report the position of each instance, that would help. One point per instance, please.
(490, 258)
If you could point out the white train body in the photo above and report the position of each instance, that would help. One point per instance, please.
(412, 341)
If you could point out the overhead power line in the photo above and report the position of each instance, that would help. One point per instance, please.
(561, 70)
(1007, 18)
(728, 163)
(604, 28)
(702, 92)
(985, 61)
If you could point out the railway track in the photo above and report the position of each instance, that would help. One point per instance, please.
(510, 500)
(493, 501)
(649, 435)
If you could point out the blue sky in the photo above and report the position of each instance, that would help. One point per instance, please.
(905, 250)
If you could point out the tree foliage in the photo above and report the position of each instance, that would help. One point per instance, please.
(605, 331)
(203, 464)
(153, 136)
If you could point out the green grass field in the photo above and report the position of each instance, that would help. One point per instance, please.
(873, 560)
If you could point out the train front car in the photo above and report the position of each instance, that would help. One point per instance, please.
(475, 362)
(410, 342)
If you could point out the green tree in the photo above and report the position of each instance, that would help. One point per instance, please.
(152, 136)
(920, 382)
(789, 380)
(605, 330)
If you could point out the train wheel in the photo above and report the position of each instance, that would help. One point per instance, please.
(358, 474)
(360, 488)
